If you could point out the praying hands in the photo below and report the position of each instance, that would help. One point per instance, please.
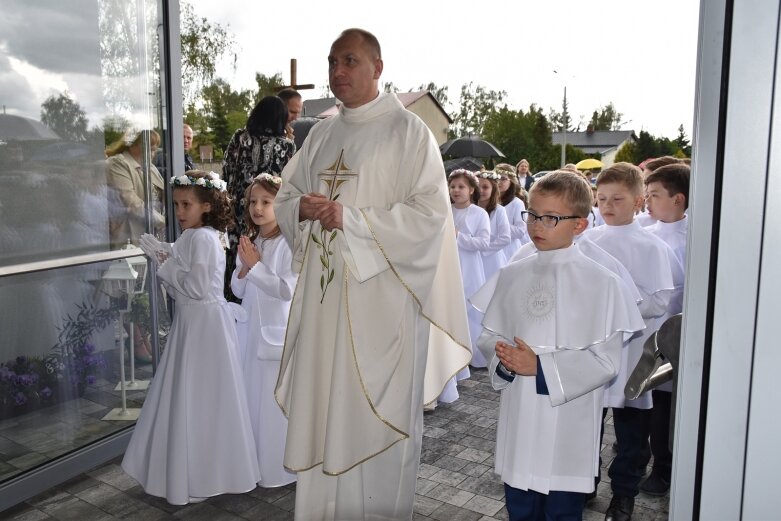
(316, 207)
(520, 359)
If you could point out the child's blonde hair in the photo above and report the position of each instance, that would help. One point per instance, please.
(625, 174)
(570, 186)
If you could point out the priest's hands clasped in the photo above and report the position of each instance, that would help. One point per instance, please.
(317, 207)
(518, 358)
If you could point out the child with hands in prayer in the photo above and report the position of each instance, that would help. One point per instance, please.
(193, 438)
(265, 282)
(552, 374)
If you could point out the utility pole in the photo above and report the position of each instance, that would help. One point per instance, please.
(564, 129)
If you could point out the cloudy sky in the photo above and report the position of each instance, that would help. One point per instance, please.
(639, 54)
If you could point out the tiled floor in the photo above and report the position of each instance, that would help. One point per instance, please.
(455, 483)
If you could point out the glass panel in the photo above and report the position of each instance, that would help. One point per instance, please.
(85, 90)
(79, 124)
(61, 361)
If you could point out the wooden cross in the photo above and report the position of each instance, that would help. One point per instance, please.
(293, 78)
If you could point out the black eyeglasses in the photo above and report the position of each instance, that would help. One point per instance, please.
(548, 221)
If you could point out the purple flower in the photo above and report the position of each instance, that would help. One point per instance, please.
(20, 398)
(89, 348)
(46, 393)
(91, 380)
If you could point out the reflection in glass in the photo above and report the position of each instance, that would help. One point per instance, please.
(65, 98)
(60, 361)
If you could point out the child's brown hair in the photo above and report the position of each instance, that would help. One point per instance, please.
(269, 183)
(213, 192)
(625, 174)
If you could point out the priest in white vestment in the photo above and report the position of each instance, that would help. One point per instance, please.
(378, 322)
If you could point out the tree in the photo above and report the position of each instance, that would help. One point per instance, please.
(389, 87)
(440, 93)
(475, 105)
(557, 119)
(606, 118)
(204, 43)
(65, 117)
(628, 153)
(268, 85)
(520, 134)
(682, 141)
(224, 110)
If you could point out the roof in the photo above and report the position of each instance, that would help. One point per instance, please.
(592, 142)
(326, 107)
(18, 128)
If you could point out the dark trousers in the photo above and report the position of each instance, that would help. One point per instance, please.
(632, 428)
(660, 434)
(529, 505)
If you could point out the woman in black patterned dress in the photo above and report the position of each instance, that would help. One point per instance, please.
(260, 147)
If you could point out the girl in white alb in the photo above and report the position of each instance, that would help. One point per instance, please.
(265, 282)
(473, 235)
(193, 439)
(493, 256)
(513, 206)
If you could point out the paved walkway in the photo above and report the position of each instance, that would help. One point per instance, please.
(455, 483)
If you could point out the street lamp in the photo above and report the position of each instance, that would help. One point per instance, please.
(126, 277)
(564, 117)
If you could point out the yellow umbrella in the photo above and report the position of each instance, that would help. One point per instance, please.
(588, 164)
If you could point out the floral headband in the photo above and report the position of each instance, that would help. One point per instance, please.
(461, 171)
(273, 179)
(211, 180)
(507, 172)
(489, 174)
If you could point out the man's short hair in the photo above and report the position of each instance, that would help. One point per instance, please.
(369, 40)
(674, 178)
(570, 186)
(288, 93)
(623, 173)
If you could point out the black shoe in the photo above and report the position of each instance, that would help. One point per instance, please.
(620, 509)
(655, 485)
(614, 446)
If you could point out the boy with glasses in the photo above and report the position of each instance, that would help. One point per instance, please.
(550, 360)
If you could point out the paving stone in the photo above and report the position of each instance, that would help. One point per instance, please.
(424, 486)
(474, 455)
(450, 495)
(448, 477)
(488, 485)
(425, 505)
(25, 512)
(449, 512)
(450, 463)
(205, 512)
(267, 512)
(484, 505)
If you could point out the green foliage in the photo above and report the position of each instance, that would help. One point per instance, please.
(389, 87)
(520, 134)
(606, 118)
(628, 153)
(440, 93)
(267, 85)
(476, 104)
(204, 43)
(683, 143)
(65, 117)
(649, 146)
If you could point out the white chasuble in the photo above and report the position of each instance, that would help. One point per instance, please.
(575, 315)
(377, 304)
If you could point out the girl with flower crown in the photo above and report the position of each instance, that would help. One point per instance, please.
(193, 438)
(513, 206)
(493, 256)
(265, 282)
(473, 235)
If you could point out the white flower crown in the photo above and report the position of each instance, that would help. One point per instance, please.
(507, 172)
(489, 174)
(211, 180)
(273, 179)
(461, 171)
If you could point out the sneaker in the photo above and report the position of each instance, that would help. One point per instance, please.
(655, 485)
(620, 509)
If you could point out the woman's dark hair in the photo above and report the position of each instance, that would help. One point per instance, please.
(268, 118)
